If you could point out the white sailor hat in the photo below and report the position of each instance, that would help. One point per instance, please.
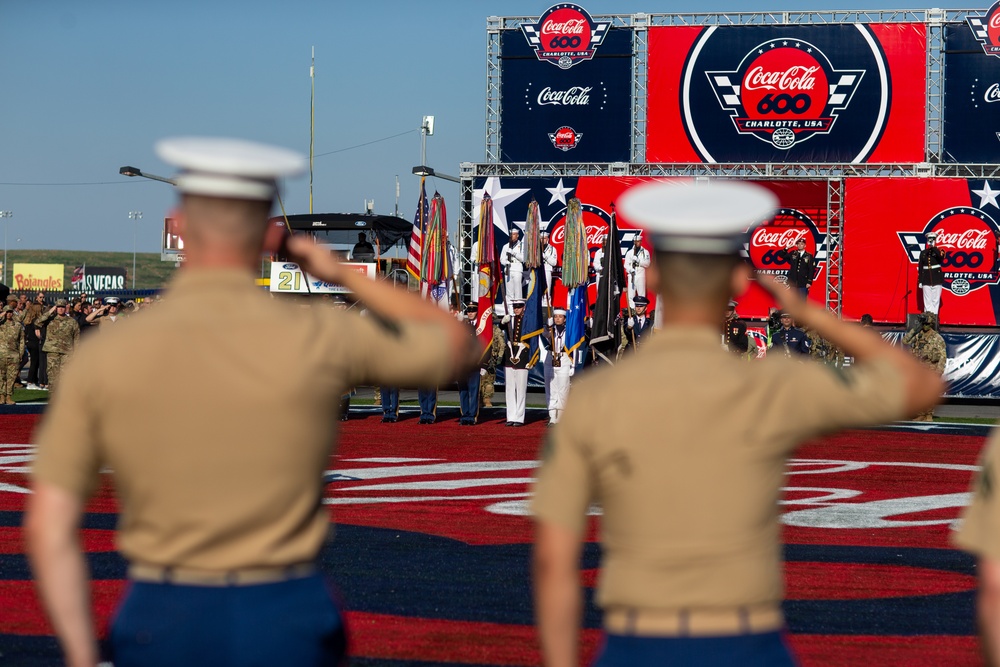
(558, 311)
(705, 218)
(219, 167)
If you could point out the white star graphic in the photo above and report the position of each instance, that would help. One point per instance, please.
(987, 195)
(501, 197)
(558, 193)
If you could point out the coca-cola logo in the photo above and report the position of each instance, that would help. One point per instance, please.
(576, 96)
(796, 77)
(968, 240)
(565, 35)
(784, 92)
(992, 93)
(565, 138)
(770, 246)
(596, 223)
(986, 29)
(596, 233)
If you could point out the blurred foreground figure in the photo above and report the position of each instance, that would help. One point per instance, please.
(221, 514)
(691, 567)
(979, 534)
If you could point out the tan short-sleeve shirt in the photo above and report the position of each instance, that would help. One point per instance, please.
(683, 446)
(218, 429)
(979, 532)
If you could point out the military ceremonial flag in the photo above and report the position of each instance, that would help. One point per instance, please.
(576, 323)
(486, 261)
(413, 258)
(576, 256)
(435, 263)
(604, 335)
(531, 325)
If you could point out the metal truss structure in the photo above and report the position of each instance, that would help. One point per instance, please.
(935, 21)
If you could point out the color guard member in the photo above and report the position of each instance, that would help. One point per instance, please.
(221, 514)
(516, 360)
(691, 567)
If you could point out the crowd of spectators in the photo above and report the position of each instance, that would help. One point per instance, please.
(49, 328)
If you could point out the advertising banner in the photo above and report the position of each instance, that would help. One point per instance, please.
(287, 278)
(91, 279)
(38, 278)
(973, 366)
(972, 89)
(565, 100)
(802, 215)
(885, 228)
(787, 94)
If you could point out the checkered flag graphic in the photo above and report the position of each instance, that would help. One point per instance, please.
(598, 33)
(913, 243)
(727, 90)
(532, 34)
(846, 83)
(979, 28)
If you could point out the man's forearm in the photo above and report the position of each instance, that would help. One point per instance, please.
(61, 573)
(558, 601)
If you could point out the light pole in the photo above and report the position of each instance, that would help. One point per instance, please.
(135, 171)
(5, 215)
(137, 216)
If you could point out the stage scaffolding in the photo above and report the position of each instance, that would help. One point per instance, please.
(834, 174)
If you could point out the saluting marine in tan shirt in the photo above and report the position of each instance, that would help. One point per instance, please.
(689, 530)
(220, 485)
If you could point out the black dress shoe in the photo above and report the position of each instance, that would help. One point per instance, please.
(516, 424)
(388, 420)
(509, 424)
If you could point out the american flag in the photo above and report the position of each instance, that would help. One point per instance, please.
(417, 235)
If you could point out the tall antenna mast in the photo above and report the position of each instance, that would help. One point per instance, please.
(312, 123)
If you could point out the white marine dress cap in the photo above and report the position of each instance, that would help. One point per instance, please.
(707, 218)
(221, 167)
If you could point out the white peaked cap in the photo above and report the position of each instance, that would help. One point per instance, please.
(706, 218)
(220, 167)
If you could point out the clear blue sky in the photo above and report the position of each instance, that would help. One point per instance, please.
(89, 86)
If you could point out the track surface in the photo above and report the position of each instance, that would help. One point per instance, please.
(432, 545)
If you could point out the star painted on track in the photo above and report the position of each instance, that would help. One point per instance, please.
(987, 195)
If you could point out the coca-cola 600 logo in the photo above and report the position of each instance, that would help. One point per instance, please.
(986, 29)
(784, 93)
(565, 35)
(967, 238)
(770, 245)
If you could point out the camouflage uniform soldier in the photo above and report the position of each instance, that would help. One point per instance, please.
(823, 351)
(11, 351)
(60, 337)
(495, 356)
(927, 346)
